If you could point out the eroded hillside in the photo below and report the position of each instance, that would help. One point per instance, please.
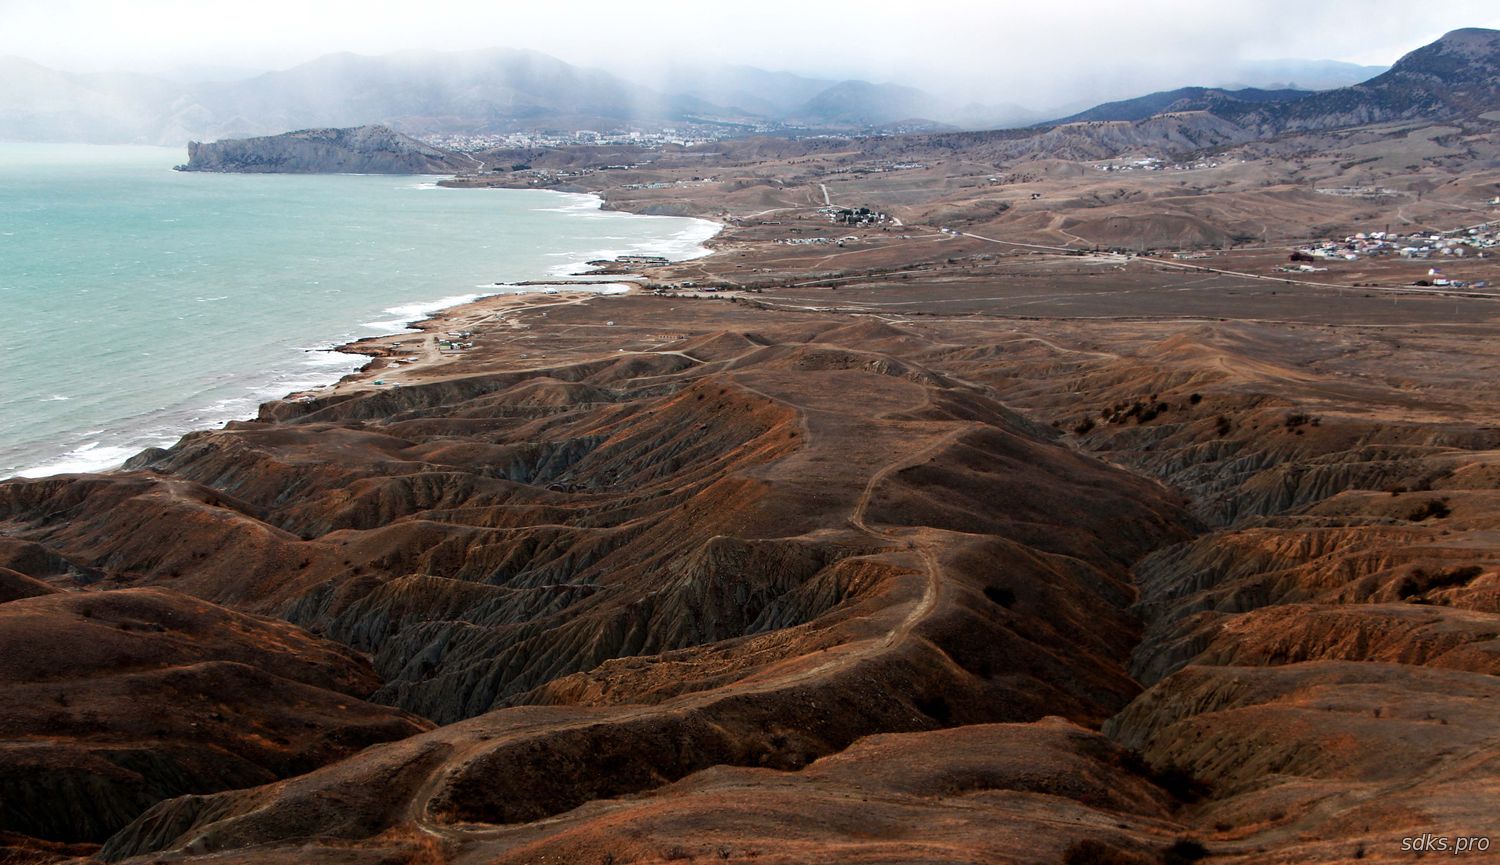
(660, 565)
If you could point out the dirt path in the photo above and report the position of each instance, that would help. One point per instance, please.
(919, 539)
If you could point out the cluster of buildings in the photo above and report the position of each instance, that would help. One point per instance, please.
(454, 340)
(1476, 241)
(1436, 277)
(669, 184)
(818, 241)
(682, 136)
(542, 176)
(1356, 191)
(1151, 163)
(880, 168)
(854, 215)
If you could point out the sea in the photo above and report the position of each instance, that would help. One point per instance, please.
(138, 303)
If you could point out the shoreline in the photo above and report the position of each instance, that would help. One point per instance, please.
(393, 359)
(417, 349)
(388, 352)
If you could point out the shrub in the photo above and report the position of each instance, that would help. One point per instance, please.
(1419, 581)
(1184, 851)
(935, 707)
(1431, 509)
(1175, 780)
(1091, 852)
(1000, 595)
(1181, 784)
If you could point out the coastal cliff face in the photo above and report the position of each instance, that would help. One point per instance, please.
(359, 150)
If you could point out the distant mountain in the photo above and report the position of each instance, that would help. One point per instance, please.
(37, 103)
(487, 91)
(857, 104)
(860, 103)
(1457, 76)
(758, 94)
(362, 150)
(742, 89)
(429, 91)
(1454, 78)
(1181, 99)
(504, 90)
(471, 92)
(1289, 74)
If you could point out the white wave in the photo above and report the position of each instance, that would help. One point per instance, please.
(57, 397)
(92, 457)
(416, 312)
(327, 357)
(574, 202)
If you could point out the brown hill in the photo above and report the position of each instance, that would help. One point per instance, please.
(115, 700)
(713, 581)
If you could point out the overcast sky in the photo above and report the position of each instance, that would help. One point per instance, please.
(1031, 53)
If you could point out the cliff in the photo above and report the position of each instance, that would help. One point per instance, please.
(360, 150)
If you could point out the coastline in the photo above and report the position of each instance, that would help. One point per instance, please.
(388, 351)
(401, 358)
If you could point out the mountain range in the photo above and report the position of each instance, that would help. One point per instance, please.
(1452, 79)
(489, 91)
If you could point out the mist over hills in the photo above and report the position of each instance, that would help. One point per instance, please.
(1181, 99)
(1453, 77)
(486, 92)
(1293, 74)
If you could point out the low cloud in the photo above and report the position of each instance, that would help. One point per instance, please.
(1033, 54)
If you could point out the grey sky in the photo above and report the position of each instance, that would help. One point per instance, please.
(1031, 53)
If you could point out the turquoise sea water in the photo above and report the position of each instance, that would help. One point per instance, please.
(139, 303)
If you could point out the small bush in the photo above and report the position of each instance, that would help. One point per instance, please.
(1456, 577)
(1177, 781)
(1091, 852)
(1431, 509)
(1222, 426)
(1184, 851)
(1181, 784)
(1419, 581)
(1194, 399)
(935, 707)
(1001, 595)
(1084, 426)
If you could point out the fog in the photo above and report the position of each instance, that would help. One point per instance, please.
(1038, 55)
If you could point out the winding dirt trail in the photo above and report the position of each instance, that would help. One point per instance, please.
(923, 541)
